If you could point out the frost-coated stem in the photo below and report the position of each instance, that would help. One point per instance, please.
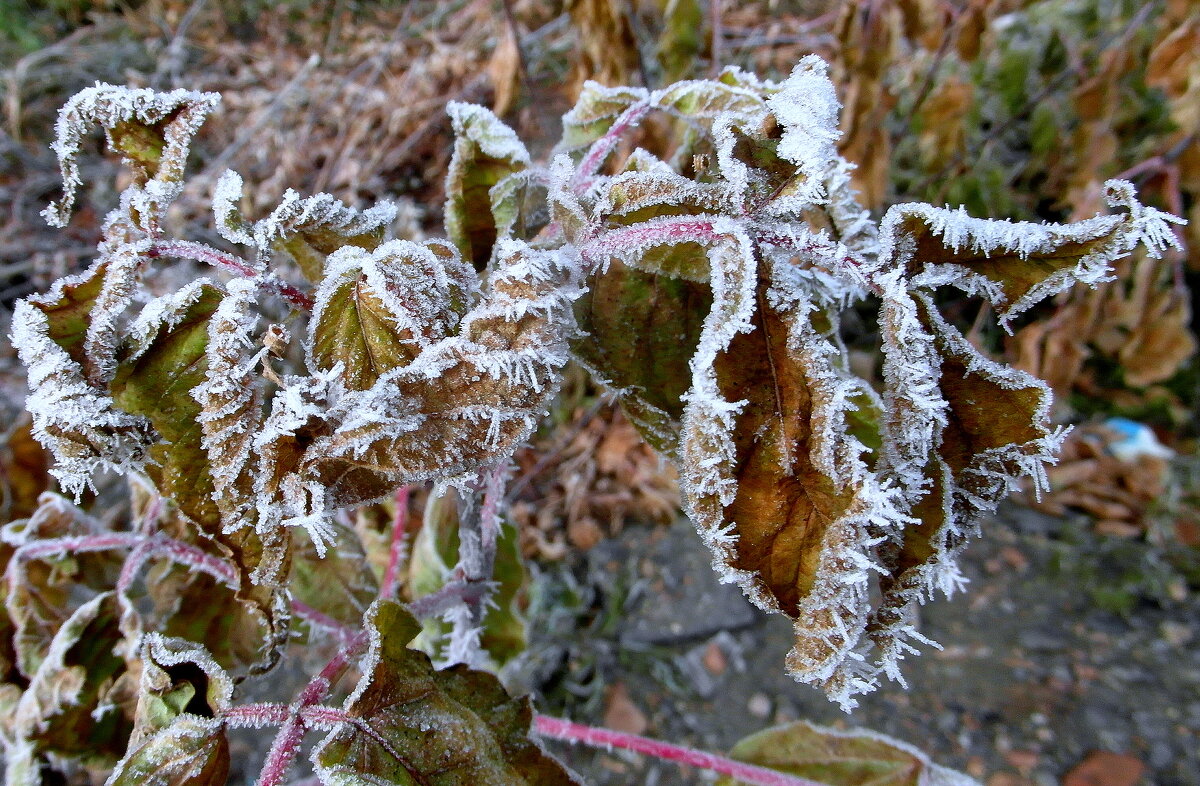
(293, 721)
(143, 547)
(187, 249)
(598, 153)
(453, 593)
(479, 527)
(606, 738)
(398, 551)
(307, 612)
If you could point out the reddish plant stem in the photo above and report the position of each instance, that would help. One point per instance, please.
(399, 547)
(255, 715)
(293, 725)
(306, 612)
(598, 153)
(606, 738)
(186, 249)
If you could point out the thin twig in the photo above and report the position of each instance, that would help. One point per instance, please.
(522, 62)
(200, 252)
(718, 35)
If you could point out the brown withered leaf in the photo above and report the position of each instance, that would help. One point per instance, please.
(1012, 264)
(482, 734)
(777, 491)
(43, 592)
(24, 470)
(68, 707)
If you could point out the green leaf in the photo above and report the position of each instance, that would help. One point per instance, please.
(155, 380)
(434, 554)
(415, 725)
(641, 331)
(378, 311)
(681, 39)
(168, 359)
(191, 752)
(486, 151)
(594, 113)
(857, 757)
(177, 740)
(339, 585)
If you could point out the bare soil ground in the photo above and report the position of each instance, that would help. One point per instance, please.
(1065, 643)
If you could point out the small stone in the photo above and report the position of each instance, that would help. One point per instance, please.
(1024, 761)
(714, 659)
(621, 714)
(1015, 558)
(584, 533)
(1175, 633)
(759, 705)
(1104, 768)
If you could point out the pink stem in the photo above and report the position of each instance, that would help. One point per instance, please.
(602, 147)
(399, 546)
(186, 249)
(307, 612)
(255, 716)
(77, 545)
(661, 232)
(287, 742)
(604, 738)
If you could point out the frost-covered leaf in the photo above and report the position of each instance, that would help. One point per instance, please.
(43, 592)
(1014, 265)
(435, 552)
(777, 488)
(996, 430)
(412, 724)
(594, 113)
(165, 361)
(854, 757)
(191, 752)
(152, 131)
(73, 418)
(230, 401)
(308, 229)
(70, 707)
(376, 311)
(177, 739)
(486, 151)
(465, 401)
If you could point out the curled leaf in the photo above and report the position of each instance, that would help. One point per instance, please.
(152, 131)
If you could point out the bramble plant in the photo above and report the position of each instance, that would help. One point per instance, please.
(330, 366)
